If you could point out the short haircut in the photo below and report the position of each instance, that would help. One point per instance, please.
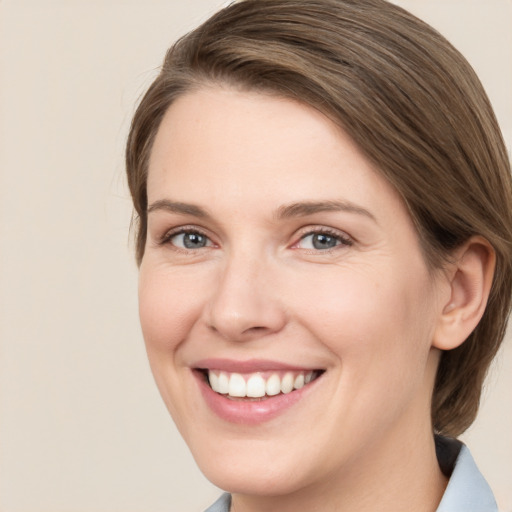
(408, 99)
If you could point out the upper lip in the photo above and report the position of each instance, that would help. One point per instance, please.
(248, 366)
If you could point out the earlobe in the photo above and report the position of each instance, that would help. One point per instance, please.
(470, 279)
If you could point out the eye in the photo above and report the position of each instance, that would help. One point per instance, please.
(188, 239)
(322, 241)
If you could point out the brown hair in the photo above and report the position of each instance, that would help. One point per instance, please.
(409, 100)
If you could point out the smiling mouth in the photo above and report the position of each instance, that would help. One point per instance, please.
(259, 385)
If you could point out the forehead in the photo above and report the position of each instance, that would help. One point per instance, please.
(231, 124)
(223, 144)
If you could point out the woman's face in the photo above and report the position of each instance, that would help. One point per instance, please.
(278, 258)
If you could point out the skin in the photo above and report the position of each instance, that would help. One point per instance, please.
(367, 311)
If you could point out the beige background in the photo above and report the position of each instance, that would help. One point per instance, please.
(81, 425)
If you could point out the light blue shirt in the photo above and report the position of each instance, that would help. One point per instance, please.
(467, 490)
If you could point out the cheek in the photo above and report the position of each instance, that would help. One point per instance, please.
(379, 329)
(168, 306)
(371, 320)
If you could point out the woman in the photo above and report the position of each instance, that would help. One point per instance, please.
(325, 244)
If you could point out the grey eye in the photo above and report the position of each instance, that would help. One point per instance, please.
(322, 241)
(319, 241)
(190, 240)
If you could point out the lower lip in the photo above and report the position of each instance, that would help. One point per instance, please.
(249, 412)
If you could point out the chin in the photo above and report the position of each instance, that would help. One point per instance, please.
(254, 479)
(257, 466)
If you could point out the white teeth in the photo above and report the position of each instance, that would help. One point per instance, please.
(223, 384)
(255, 385)
(287, 383)
(273, 386)
(214, 381)
(237, 386)
(299, 381)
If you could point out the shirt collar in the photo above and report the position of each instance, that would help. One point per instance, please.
(467, 490)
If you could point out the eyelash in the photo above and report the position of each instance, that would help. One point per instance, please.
(343, 239)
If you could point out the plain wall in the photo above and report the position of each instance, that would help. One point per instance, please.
(82, 427)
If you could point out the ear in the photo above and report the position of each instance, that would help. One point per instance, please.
(470, 278)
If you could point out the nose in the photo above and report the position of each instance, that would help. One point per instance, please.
(244, 305)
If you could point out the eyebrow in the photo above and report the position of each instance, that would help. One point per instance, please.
(303, 209)
(298, 209)
(177, 207)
